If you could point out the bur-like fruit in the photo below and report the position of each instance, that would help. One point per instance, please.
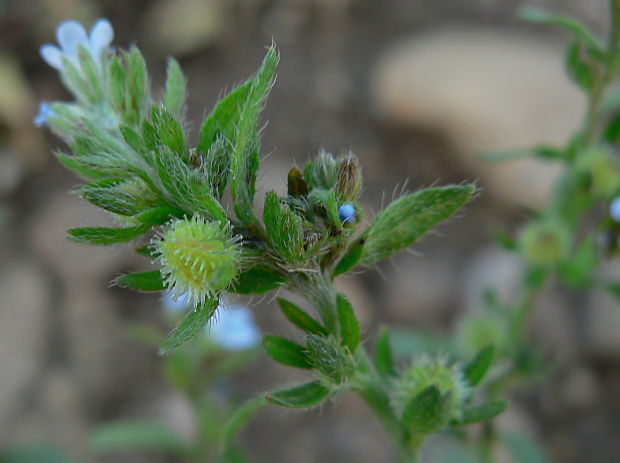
(198, 258)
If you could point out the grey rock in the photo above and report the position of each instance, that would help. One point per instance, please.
(487, 90)
(24, 306)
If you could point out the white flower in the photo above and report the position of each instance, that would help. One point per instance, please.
(70, 34)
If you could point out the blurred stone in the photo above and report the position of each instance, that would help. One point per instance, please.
(75, 261)
(11, 172)
(97, 342)
(24, 302)
(491, 268)
(183, 26)
(602, 325)
(579, 389)
(420, 290)
(488, 91)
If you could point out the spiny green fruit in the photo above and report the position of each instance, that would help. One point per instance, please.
(425, 372)
(599, 172)
(544, 242)
(198, 258)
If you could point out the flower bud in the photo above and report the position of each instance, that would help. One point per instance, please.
(599, 172)
(544, 242)
(348, 177)
(322, 172)
(198, 258)
(296, 184)
(426, 372)
(329, 359)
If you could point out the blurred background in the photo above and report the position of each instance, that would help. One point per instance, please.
(416, 89)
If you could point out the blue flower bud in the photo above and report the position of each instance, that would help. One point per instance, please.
(614, 209)
(346, 213)
(45, 111)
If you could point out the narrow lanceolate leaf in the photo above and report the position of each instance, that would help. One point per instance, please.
(190, 327)
(286, 352)
(577, 30)
(284, 229)
(160, 215)
(304, 396)
(300, 319)
(139, 435)
(245, 162)
(143, 281)
(478, 367)
(175, 94)
(240, 418)
(349, 326)
(103, 236)
(351, 257)
(224, 118)
(384, 359)
(256, 280)
(482, 412)
(410, 217)
(104, 195)
(427, 412)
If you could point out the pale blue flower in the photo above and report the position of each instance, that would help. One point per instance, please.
(234, 328)
(614, 209)
(346, 213)
(45, 111)
(70, 34)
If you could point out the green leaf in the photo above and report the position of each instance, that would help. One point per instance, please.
(79, 167)
(304, 396)
(349, 325)
(427, 412)
(160, 215)
(133, 138)
(240, 418)
(300, 318)
(103, 236)
(256, 280)
(136, 93)
(216, 165)
(482, 412)
(165, 129)
(90, 71)
(410, 217)
(578, 271)
(384, 359)
(245, 162)
(105, 195)
(351, 258)
(191, 326)
(479, 365)
(224, 118)
(284, 229)
(523, 449)
(175, 93)
(612, 129)
(139, 435)
(143, 281)
(544, 152)
(577, 66)
(286, 352)
(38, 453)
(578, 31)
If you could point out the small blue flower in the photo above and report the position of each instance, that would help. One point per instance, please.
(346, 213)
(70, 34)
(45, 111)
(234, 328)
(614, 209)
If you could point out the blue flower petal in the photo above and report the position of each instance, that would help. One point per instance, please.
(614, 209)
(101, 36)
(52, 55)
(234, 329)
(69, 35)
(45, 111)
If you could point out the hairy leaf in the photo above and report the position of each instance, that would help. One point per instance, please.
(286, 352)
(304, 396)
(349, 326)
(256, 280)
(384, 359)
(191, 326)
(143, 281)
(103, 236)
(300, 318)
(479, 365)
(410, 217)
(175, 93)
